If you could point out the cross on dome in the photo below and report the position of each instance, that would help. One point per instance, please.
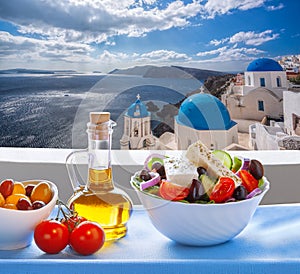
(138, 96)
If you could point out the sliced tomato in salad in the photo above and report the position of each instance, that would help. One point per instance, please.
(223, 190)
(249, 182)
(172, 192)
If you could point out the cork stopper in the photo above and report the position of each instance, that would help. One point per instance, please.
(99, 117)
(99, 125)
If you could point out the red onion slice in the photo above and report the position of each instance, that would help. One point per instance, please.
(150, 157)
(253, 193)
(245, 165)
(152, 182)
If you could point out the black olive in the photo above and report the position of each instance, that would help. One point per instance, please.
(196, 191)
(256, 169)
(201, 170)
(144, 175)
(160, 169)
(240, 193)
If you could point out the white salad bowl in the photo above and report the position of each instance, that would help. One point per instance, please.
(199, 224)
(17, 226)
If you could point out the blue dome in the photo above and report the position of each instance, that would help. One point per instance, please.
(137, 110)
(264, 64)
(204, 112)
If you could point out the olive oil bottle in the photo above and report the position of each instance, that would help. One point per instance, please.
(99, 200)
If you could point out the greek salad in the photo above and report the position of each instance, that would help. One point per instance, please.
(201, 176)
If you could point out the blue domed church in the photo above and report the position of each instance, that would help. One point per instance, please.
(137, 127)
(204, 117)
(261, 92)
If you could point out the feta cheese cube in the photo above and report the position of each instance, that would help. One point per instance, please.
(180, 171)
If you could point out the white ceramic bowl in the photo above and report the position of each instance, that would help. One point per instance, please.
(17, 226)
(199, 224)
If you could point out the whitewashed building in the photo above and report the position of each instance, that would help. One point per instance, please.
(137, 127)
(204, 117)
(291, 106)
(262, 92)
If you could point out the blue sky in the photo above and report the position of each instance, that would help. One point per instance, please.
(89, 35)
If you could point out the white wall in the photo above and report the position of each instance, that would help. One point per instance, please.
(291, 104)
(216, 139)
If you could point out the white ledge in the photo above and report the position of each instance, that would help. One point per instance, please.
(281, 169)
(136, 157)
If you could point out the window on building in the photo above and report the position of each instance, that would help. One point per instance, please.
(278, 81)
(262, 82)
(249, 81)
(136, 129)
(127, 128)
(261, 106)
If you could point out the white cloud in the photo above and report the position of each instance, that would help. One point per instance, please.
(248, 38)
(95, 21)
(157, 57)
(272, 8)
(211, 52)
(226, 53)
(212, 8)
(216, 42)
(67, 30)
(28, 48)
(164, 55)
(90, 21)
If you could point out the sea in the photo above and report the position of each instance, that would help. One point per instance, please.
(52, 110)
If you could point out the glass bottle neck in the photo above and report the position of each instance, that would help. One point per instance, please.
(100, 171)
(100, 180)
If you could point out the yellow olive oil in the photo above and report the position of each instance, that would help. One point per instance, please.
(104, 204)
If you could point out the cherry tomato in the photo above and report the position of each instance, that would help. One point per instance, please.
(87, 238)
(249, 182)
(14, 198)
(10, 206)
(73, 221)
(172, 192)
(51, 236)
(19, 188)
(2, 200)
(223, 190)
(7, 187)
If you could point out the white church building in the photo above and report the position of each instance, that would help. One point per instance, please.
(263, 104)
(200, 117)
(137, 132)
(204, 117)
(260, 94)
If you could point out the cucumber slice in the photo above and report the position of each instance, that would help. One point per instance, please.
(224, 157)
(237, 164)
(208, 183)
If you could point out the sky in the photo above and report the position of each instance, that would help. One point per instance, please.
(102, 35)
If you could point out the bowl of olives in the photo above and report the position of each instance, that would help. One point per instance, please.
(192, 215)
(23, 205)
